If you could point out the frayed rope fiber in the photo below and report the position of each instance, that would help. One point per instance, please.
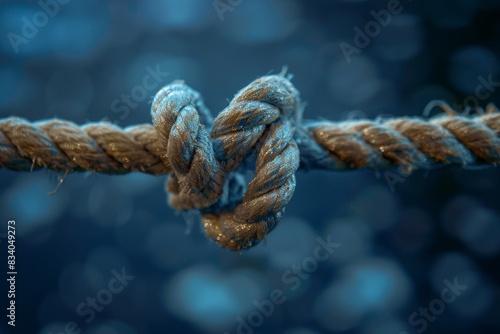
(260, 129)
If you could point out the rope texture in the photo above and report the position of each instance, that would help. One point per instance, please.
(261, 129)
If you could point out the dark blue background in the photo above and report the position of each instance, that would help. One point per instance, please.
(397, 243)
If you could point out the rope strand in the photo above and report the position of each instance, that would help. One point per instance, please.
(261, 122)
(105, 148)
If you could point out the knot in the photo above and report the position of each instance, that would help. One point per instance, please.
(257, 127)
(197, 179)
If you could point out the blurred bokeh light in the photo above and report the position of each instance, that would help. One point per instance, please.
(113, 240)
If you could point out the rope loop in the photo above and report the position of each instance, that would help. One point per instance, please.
(197, 178)
(260, 121)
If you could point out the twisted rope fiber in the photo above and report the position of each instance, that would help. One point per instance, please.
(261, 126)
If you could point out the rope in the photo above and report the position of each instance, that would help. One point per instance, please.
(261, 129)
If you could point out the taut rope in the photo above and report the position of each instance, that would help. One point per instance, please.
(262, 125)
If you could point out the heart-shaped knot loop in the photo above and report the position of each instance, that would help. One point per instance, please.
(261, 118)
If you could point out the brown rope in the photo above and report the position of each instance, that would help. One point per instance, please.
(411, 142)
(63, 146)
(262, 122)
